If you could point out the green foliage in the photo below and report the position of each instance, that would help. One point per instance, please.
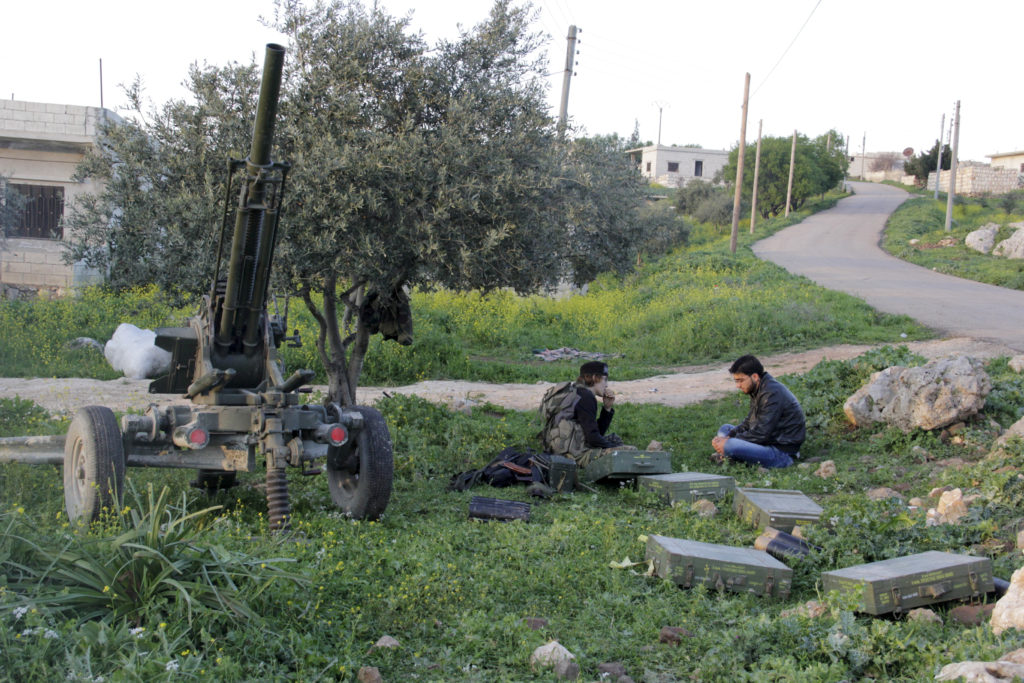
(924, 219)
(37, 334)
(693, 305)
(664, 227)
(145, 562)
(923, 163)
(818, 169)
(19, 416)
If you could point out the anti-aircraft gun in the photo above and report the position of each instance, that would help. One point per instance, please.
(243, 408)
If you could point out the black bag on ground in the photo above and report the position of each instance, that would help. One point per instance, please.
(510, 467)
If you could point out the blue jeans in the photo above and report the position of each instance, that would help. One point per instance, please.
(754, 453)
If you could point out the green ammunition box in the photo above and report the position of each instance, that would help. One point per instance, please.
(626, 464)
(776, 508)
(719, 567)
(904, 583)
(562, 473)
(686, 487)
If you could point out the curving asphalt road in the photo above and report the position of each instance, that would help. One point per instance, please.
(839, 249)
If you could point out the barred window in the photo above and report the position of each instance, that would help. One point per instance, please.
(42, 212)
(673, 167)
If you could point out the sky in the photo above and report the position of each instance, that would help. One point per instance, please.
(882, 72)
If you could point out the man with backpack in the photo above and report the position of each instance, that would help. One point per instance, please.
(572, 426)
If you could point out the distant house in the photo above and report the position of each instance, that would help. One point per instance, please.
(1014, 160)
(40, 146)
(676, 166)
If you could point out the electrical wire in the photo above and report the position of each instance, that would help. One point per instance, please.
(784, 52)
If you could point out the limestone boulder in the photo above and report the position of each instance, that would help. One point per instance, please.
(1009, 609)
(1017, 363)
(932, 396)
(982, 239)
(981, 672)
(1012, 247)
(999, 448)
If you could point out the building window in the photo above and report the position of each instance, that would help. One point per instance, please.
(42, 212)
(698, 169)
(648, 167)
(673, 167)
(1022, 168)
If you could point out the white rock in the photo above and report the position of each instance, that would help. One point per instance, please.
(981, 672)
(932, 396)
(550, 655)
(951, 506)
(1017, 363)
(983, 238)
(1009, 609)
(1012, 247)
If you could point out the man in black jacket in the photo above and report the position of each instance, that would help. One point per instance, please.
(773, 431)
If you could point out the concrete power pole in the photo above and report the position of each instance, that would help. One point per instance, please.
(570, 62)
(789, 186)
(863, 147)
(739, 167)
(938, 162)
(952, 168)
(757, 169)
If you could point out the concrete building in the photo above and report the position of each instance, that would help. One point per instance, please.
(1014, 160)
(40, 146)
(676, 166)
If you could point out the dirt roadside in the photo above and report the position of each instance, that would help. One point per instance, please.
(689, 385)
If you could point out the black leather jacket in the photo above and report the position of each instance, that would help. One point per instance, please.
(775, 418)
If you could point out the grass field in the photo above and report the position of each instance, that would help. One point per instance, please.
(178, 585)
(924, 219)
(456, 593)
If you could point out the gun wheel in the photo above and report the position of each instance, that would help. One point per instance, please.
(362, 486)
(94, 464)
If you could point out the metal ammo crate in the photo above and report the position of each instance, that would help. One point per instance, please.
(687, 487)
(776, 508)
(626, 464)
(719, 567)
(904, 583)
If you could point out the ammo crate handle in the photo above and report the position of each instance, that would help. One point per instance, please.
(936, 590)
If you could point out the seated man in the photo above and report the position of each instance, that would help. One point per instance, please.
(773, 431)
(572, 426)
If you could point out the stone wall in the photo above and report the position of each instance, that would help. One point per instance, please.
(974, 179)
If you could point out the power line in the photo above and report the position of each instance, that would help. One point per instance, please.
(784, 52)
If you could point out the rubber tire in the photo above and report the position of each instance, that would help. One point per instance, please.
(364, 493)
(215, 480)
(94, 464)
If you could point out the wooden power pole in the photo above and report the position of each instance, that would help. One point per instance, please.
(739, 167)
(570, 62)
(789, 186)
(757, 169)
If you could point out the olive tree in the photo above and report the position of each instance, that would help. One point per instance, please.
(412, 167)
(819, 167)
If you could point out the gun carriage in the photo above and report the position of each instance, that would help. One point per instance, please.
(242, 407)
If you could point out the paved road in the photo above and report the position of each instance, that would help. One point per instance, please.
(838, 249)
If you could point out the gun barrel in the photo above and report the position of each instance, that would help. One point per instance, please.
(255, 220)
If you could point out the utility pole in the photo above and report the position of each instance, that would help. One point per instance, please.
(846, 173)
(789, 186)
(952, 168)
(938, 162)
(863, 146)
(101, 83)
(739, 167)
(757, 169)
(570, 62)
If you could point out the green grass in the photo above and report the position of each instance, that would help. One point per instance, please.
(698, 304)
(924, 219)
(455, 592)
